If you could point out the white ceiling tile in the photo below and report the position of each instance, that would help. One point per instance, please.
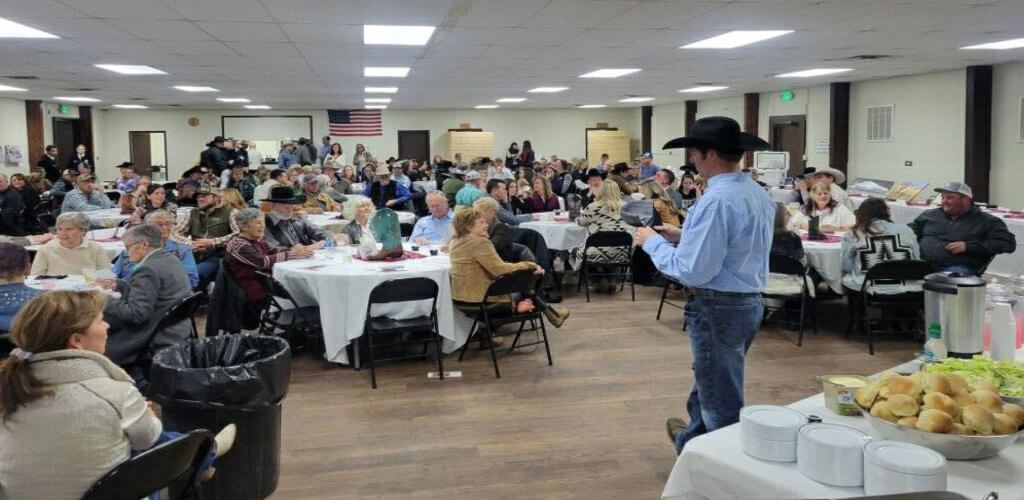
(162, 30)
(660, 15)
(266, 49)
(418, 13)
(119, 9)
(493, 13)
(189, 48)
(578, 13)
(609, 38)
(221, 10)
(470, 36)
(316, 11)
(327, 35)
(539, 37)
(79, 29)
(243, 32)
(37, 8)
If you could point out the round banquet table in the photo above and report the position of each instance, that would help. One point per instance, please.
(559, 235)
(342, 290)
(826, 258)
(331, 220)
(108, 217)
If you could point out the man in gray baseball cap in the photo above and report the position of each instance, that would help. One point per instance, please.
(959, 237)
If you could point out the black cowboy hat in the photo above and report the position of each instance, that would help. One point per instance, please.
(215, 141)
(594, 173)
(719, 133)
(284, 194)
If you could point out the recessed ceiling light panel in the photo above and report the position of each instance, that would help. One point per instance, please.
(385, 71)
(1016, 43)
(591, 106)
(377, 100)
(636, 99)
(233, 99)
(77, 99)
(396, 35)
(257, 106)
(195, 88)
(809, 73)
(8, 88)
(734, 39)
(609, 73)
(11, 29)
(485, 106)
(376, 106)
(131, 69)
(704, 88)
(130, 106)
(511, 99)
(381, 90)
(547, 90)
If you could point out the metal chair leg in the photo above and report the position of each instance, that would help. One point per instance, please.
(664, 293)
(494, 355)
(803, 308)
(547, 346)
(632, 289)
(437, 351)
(369, 352)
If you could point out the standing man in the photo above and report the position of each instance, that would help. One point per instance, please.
(325, 149)
(647, 167)
(49, 164)
(11, 206)
(213, 158)
(724, 261)
(241, 158)
(286, 157)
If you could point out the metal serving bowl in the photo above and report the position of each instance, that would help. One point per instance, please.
(953, 447)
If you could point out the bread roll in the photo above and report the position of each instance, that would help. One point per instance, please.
(1014, 411)
(902, 405)
(904, 385)
(962, 397)
(989, 400)
(917, 377)
(865, 396)
(957, 382)
(1004, 424)
(978, 419)
(935, 421)
(985, 385)
(908, 422)
(941, 402)
(881, 410)
(961, 430)
(936, 382)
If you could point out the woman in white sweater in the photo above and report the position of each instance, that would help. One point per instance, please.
(69, 414)
(832, 216)
(70, 251)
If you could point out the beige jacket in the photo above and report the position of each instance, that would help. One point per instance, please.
(475, 264)
(56, 447)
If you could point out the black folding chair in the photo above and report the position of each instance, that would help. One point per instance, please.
(674, 288)
(283, 312)
(43, 213)
(186, 308)
(784, 264)
(405, 229)
(401, 332)
(115, 196)
(491, 316)
(621, 270)
(6, 344)
(173, 464)
(902, 307)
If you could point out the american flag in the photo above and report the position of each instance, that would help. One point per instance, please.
(354, 122)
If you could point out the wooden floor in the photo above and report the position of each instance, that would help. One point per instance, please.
(591, 426)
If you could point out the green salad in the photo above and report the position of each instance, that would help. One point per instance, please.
(1008, 376)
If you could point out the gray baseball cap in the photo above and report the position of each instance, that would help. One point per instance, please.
(956, 187)
(473, 175)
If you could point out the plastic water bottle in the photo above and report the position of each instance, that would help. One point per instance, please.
(935, 348)
(1003, 333)
(329, 242)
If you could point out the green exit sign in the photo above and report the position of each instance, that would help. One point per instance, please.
(786, 95)
(65, 109)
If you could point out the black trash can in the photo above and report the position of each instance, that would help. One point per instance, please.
(231, 379)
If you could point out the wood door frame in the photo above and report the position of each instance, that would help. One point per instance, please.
(586, 136)
(53, 128)
(166, 160)
(398, 138)
(786, 120)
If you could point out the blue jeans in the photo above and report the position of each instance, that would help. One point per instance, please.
(207, 270)
(957, 268)
(721, 329)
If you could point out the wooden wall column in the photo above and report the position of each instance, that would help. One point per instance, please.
(85, 121)
(34, 124)
(646, 113)
(751, 104)
(690, 116)
(978, 131)
(839, 126)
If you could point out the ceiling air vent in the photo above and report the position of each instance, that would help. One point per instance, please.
(20, 77)
(868, 57)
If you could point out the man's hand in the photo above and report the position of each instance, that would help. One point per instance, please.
(536, 216)
(801, 185)
(957, 247)
(390, 203)
(420, 240)
(107, 284)
(318, 245)
(539, 271)
(670, 233)
(642, 234)
(201, 245)
(828, 228)
(301, 252)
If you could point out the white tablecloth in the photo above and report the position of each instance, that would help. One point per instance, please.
(428, 186)
(342, 290)
(713, 466)
(784, 195)
(558, 235)
(109, 217)
(330, 219)
(827, 259)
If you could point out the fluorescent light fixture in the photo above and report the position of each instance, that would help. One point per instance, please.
(704, 88)
(808, 73)
(195, 88)
(592, 106)
(1016, 43)
(511, 99)
(376, 106)
(131, 69)
(11, 29)
(386, 71)
(257, 106)
(734, 39)
(8, 88)
(374, 34)
(636, 99)
(233, 99)
(485, 106)
(130, 106)
(77, 99)
(547, 90)
(377, 100)
(380, 90)
(609, 73)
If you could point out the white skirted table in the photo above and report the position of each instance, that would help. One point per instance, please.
(826, 258)
(108, 217)
(559, 233)
(341, 287)
(713, 466)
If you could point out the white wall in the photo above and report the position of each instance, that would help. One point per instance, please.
(1007, 149)
(667, 123)
(812, 102)
(928, 128)
(725, 106)
(14, 130)
(552, 131)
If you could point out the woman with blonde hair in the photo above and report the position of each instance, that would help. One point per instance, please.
(832, 216)
(543, 198)
(602, 214)
(233, 198)
(69, 413)
(666, 209)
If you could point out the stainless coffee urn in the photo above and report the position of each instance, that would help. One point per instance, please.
(957, 303)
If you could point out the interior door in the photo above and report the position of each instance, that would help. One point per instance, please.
(789, 133)
(140, 148)
(67, 133)
(414, 145)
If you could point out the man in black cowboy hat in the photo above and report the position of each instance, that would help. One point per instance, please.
(594, 180)
(213, 158)
(724, 261)
(208, 228)
(284, 231)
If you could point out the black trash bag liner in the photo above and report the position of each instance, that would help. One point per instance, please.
(233, 371)
(639, 213)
